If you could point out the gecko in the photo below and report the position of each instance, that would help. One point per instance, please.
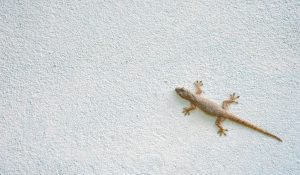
(213, 109)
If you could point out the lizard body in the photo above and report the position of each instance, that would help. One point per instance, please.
(213, 109)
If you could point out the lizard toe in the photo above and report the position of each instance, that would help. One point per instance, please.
(222, 132)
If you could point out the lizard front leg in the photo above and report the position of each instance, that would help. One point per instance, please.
(187, 110)
(192, 107)
(198, 85)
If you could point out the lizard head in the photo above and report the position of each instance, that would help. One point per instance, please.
(182, 92)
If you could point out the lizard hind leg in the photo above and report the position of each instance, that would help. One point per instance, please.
(198, 85)
(219, 124)
(232, 100)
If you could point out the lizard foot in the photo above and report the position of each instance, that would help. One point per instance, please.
(222, 131)
(233, 98)
(198, 83)
(186, 111)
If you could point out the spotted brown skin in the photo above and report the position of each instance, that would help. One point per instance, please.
(213, 109)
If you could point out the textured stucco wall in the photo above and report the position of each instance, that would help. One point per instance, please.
(87, 87)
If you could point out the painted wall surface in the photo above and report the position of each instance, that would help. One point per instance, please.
(87, 86)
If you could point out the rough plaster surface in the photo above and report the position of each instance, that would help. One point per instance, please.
(87, 87)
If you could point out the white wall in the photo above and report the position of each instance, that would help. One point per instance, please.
(87, 87)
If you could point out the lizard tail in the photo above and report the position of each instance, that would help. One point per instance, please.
(234, 118)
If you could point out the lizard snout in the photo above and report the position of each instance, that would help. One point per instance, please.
(179, 90)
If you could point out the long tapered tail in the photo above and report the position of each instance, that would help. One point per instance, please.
(234, 118)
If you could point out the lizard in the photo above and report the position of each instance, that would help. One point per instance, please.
(213, 109)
